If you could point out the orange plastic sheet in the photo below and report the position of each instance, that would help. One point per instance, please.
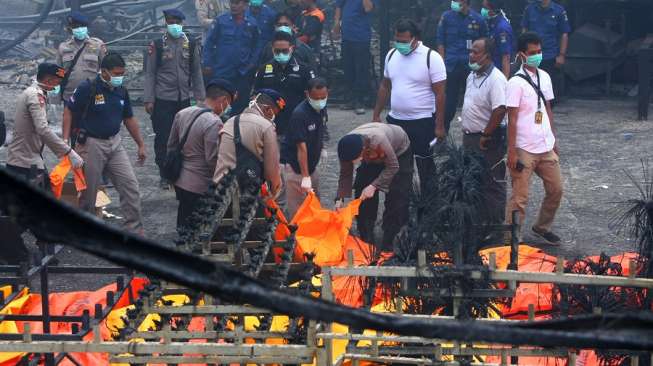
(71, 304)
(323, 232)
(59, 173)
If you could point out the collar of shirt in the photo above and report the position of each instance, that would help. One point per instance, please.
(35, 85)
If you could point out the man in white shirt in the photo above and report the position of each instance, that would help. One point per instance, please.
(531, 140)
(484, 108)
(415, 78)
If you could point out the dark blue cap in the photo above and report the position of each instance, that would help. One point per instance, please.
(77, 17)
(275, 95)
(350, 147)
(223, 84)
(47, 68)
(174, 13)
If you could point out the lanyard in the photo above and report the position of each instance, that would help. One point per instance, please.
(540, 95)
(489, 71)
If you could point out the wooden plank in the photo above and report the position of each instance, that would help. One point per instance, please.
(211, 360)
(185, 335)
(209, 310)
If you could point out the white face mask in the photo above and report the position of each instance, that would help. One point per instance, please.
(253, 104)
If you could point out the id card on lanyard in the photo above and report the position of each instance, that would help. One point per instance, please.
(540, 96)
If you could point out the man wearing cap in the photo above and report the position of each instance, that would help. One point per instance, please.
(31, 130)
(198, 129)
(173, 74)
(208, 10)
(232, 48)
(304, 146)
(264, 16)
(100, 107)
(500, 32)
(80, 55)
(387, 166)
(287, 76)
(258, 159)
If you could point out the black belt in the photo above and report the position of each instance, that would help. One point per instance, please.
(89, 134)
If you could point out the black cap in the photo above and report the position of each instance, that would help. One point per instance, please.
(275, 95)
(46, 69)
(174, 13)
(350, 147)
(223, 84)
(77, 17)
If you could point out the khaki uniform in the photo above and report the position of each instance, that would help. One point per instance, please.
(258, 135)
(207, 10)
(87, 65)
(31, 131)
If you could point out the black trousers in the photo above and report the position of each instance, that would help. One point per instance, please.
(495, 190)
(39, 177)
(456, 83)
(162, 118)
(356, 65)
(397, 200)
(188, 202)
(420, 132)
(557, 78)
(243, 85)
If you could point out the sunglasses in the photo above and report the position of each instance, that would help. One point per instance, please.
(284, 51)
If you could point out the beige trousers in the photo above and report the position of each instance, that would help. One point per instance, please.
(547, 167)
(292, 195)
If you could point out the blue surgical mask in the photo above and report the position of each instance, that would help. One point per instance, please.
(485, 13)
(455, 6)
(284, 28)
(256, 2)
(404, 47)
(175, 30)
(282, 58)
(80, 33)
(534, 60)
(474, 66)
(318, 104)
(54, 91)
(116, 81)
(226, 112)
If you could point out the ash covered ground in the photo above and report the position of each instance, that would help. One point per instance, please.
(600, 140)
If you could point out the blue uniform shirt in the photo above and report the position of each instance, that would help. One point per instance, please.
(456, 32)
(501, 33)
(106, 111)
(232, 49)
(355, 21)
(308, 126)
(265, 22)
(549, 23)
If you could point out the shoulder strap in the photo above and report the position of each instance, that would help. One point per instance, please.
(237, 139)
(537, 90)
(192, 122)
(428, 59)
(69, 71)
(392, 53)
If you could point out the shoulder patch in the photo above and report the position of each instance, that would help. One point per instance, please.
(503, 37)
(41, 100)
(269, 69)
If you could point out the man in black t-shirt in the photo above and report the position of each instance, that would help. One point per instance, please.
(304, 146)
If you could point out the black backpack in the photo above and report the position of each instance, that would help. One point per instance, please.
(174, 159)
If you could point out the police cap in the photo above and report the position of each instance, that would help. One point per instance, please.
(224, 85)
(47, 69)
(174, 13)
(275, 96)
(78, 18)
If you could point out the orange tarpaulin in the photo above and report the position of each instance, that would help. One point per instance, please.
(59, 173)
(323, 232)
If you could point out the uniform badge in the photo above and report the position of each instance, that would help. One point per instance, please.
(312, 73)
(269, 69)
(470, 26)
(99, 99)
(295, 68)
(41, 100)
(503, 37)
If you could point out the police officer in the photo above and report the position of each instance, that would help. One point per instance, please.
(199, 130)
(231, 50)
(173, 70)
(80, 55)
(549, 20)
(459, 27)
(500, 32)
(264, 16)
(31, 130)
(284, 74)
(208, 10)
(302, 52)
(99, 107)
(257, 157)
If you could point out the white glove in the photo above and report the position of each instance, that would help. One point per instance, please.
(75, 159)
(339, 203)
(306, 184)
(324, 155)
(368, 192)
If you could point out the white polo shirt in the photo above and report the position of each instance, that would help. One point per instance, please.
(485, 92)
(412, 94)
(532, 137)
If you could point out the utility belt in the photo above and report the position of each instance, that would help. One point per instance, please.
(80, 135)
